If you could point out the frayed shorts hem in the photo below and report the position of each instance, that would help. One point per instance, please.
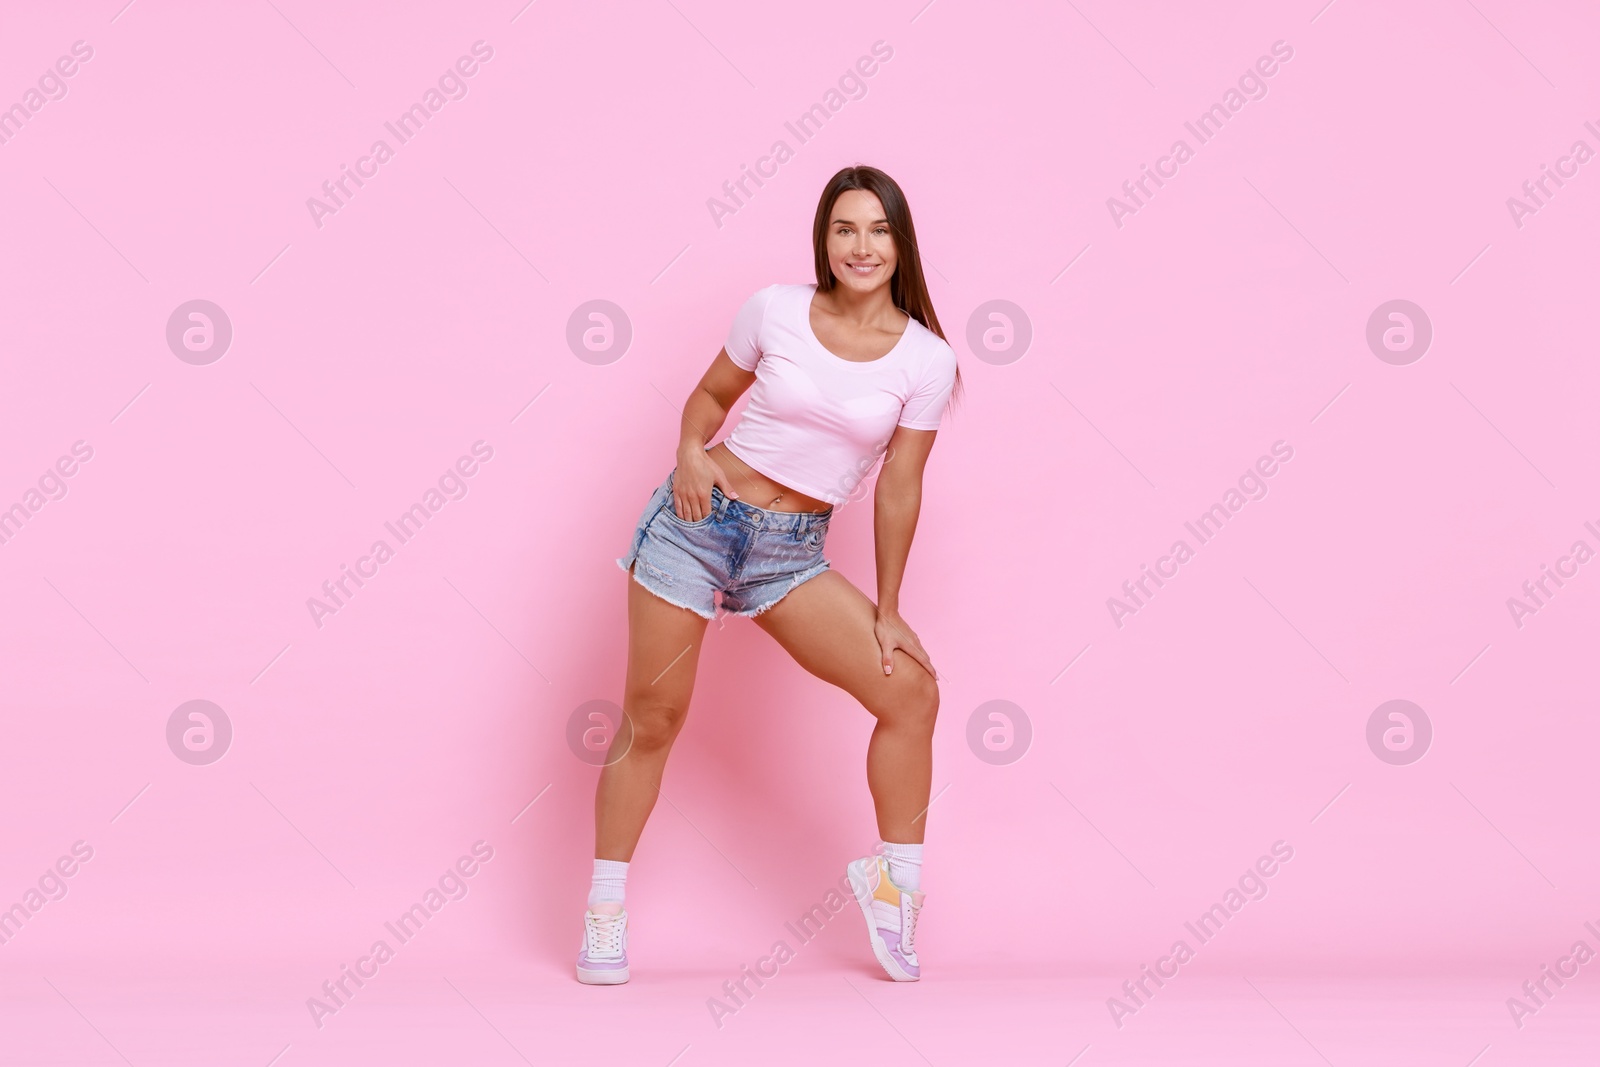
(797, 582)
(749, 613)
(639, 577)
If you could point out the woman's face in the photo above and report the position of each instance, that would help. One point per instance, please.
(860, 247)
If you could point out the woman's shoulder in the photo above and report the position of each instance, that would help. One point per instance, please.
(930, 346)
(778, 292)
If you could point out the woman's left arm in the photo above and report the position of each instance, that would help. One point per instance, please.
(897, 501)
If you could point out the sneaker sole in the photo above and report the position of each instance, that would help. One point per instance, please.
(858, 884)
(602, 977)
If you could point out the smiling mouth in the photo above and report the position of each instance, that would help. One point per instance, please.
(862, 268)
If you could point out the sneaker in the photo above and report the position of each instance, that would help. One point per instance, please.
(891, 916)
(603, 960)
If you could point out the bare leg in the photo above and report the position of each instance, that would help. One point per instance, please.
(826, 625)
(663, 654)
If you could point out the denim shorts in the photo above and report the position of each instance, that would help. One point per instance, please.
(752, 556)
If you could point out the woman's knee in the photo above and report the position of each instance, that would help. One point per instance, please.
(912, 702)
(655, 723)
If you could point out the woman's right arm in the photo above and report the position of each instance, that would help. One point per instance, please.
(703, 415)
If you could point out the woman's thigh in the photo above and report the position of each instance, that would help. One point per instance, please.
(663, 651)
(827, 625)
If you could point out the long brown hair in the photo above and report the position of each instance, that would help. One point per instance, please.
(907, 286)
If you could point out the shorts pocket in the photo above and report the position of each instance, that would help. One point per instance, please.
(688, 524)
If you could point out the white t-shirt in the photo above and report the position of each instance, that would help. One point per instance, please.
(818, 422)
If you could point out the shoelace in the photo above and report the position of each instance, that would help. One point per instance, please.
(605, 935)
(908, 936)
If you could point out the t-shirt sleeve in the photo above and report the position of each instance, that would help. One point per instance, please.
(924, 408)
(744, 337)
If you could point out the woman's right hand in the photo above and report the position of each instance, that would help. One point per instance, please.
(691, 485)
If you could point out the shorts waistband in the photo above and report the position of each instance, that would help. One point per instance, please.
(763, 518)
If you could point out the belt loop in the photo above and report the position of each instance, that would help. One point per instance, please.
(722, 505)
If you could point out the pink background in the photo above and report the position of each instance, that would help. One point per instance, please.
(369, 353)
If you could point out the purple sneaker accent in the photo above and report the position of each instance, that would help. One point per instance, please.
(891, 915)
(603, 957)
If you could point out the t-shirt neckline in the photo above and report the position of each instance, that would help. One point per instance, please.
(805, 322)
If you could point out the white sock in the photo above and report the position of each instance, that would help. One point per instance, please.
(905, 865)
(610, 877)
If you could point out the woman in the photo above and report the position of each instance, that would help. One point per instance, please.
(844, 371)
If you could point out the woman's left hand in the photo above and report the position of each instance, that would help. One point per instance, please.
(892, 633)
